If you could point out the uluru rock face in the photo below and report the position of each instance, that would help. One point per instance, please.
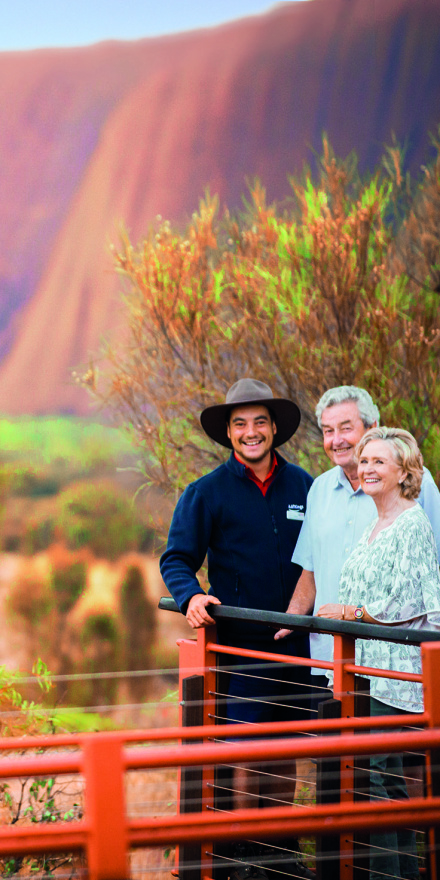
(119, 132)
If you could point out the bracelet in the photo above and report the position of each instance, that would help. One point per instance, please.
(343, 612)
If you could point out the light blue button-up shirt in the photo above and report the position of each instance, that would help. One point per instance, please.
(335, 520)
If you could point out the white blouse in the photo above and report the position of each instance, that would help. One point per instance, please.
(397, 579)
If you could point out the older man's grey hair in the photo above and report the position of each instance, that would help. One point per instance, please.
(368, 410)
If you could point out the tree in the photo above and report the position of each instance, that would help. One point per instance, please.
(304, 298)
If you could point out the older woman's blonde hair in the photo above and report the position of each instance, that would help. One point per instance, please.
(406, 453)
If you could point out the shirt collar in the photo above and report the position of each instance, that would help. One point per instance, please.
(342, 482)
(248, 470)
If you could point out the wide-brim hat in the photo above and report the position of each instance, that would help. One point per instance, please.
(286, 413)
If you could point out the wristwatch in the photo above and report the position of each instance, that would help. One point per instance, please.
(358, 613)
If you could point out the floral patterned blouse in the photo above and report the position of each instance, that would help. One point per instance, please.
(396, 578)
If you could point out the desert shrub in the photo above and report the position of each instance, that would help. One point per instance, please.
(5, 485)
(32, 481)
(38, 533)
(68, 583)
(100, 640)
(138, 619)
(31, 598)
(44, 591)
(102, 626)
(100, 516)
(45, 586)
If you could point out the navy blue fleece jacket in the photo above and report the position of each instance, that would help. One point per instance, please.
(249, 539)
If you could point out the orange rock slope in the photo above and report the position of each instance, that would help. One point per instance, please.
(120, 132)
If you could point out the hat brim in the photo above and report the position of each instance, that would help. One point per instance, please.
(214, 419)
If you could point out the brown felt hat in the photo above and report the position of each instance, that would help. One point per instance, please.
(286, 414)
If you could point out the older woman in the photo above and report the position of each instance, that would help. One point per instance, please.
(391, 578)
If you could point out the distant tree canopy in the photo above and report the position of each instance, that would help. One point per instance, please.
(340, 285)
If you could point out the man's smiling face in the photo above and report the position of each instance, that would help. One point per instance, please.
(251, 432)
(342, 428)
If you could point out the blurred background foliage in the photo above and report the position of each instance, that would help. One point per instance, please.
(80, 595)
(68, 479)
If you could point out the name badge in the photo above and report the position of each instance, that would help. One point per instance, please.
(295, 514)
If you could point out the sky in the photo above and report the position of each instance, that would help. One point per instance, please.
(32, 24)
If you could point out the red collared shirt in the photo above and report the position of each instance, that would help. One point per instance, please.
(263, 485)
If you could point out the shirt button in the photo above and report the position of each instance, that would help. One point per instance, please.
(350, 521)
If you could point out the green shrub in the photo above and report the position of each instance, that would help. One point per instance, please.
(100, 640)
(5, 487)
(101, 626)
(31, 481)
(38, 534)
(68, 583)
(100, 516)
(138, 618)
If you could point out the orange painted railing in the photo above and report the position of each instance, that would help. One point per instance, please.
(105, 833)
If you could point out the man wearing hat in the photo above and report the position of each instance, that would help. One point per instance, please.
(245, 516)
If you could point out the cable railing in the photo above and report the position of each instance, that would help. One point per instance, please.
(324, 829)
(340, 781)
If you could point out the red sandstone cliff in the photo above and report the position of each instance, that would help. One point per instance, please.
(123, 131)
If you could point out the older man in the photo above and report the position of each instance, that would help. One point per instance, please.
(338, 511)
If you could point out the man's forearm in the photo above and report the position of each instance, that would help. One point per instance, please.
(303, 599)
(179, 579)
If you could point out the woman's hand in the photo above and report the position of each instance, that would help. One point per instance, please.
(337, 612)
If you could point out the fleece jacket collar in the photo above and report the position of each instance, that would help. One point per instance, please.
(240, 469)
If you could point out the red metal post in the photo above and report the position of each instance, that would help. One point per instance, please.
(195, 658)
(431, 689)
(208, 634)
(105, 808)
(343, 689)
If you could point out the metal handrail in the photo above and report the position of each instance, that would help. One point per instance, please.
(307, 623)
